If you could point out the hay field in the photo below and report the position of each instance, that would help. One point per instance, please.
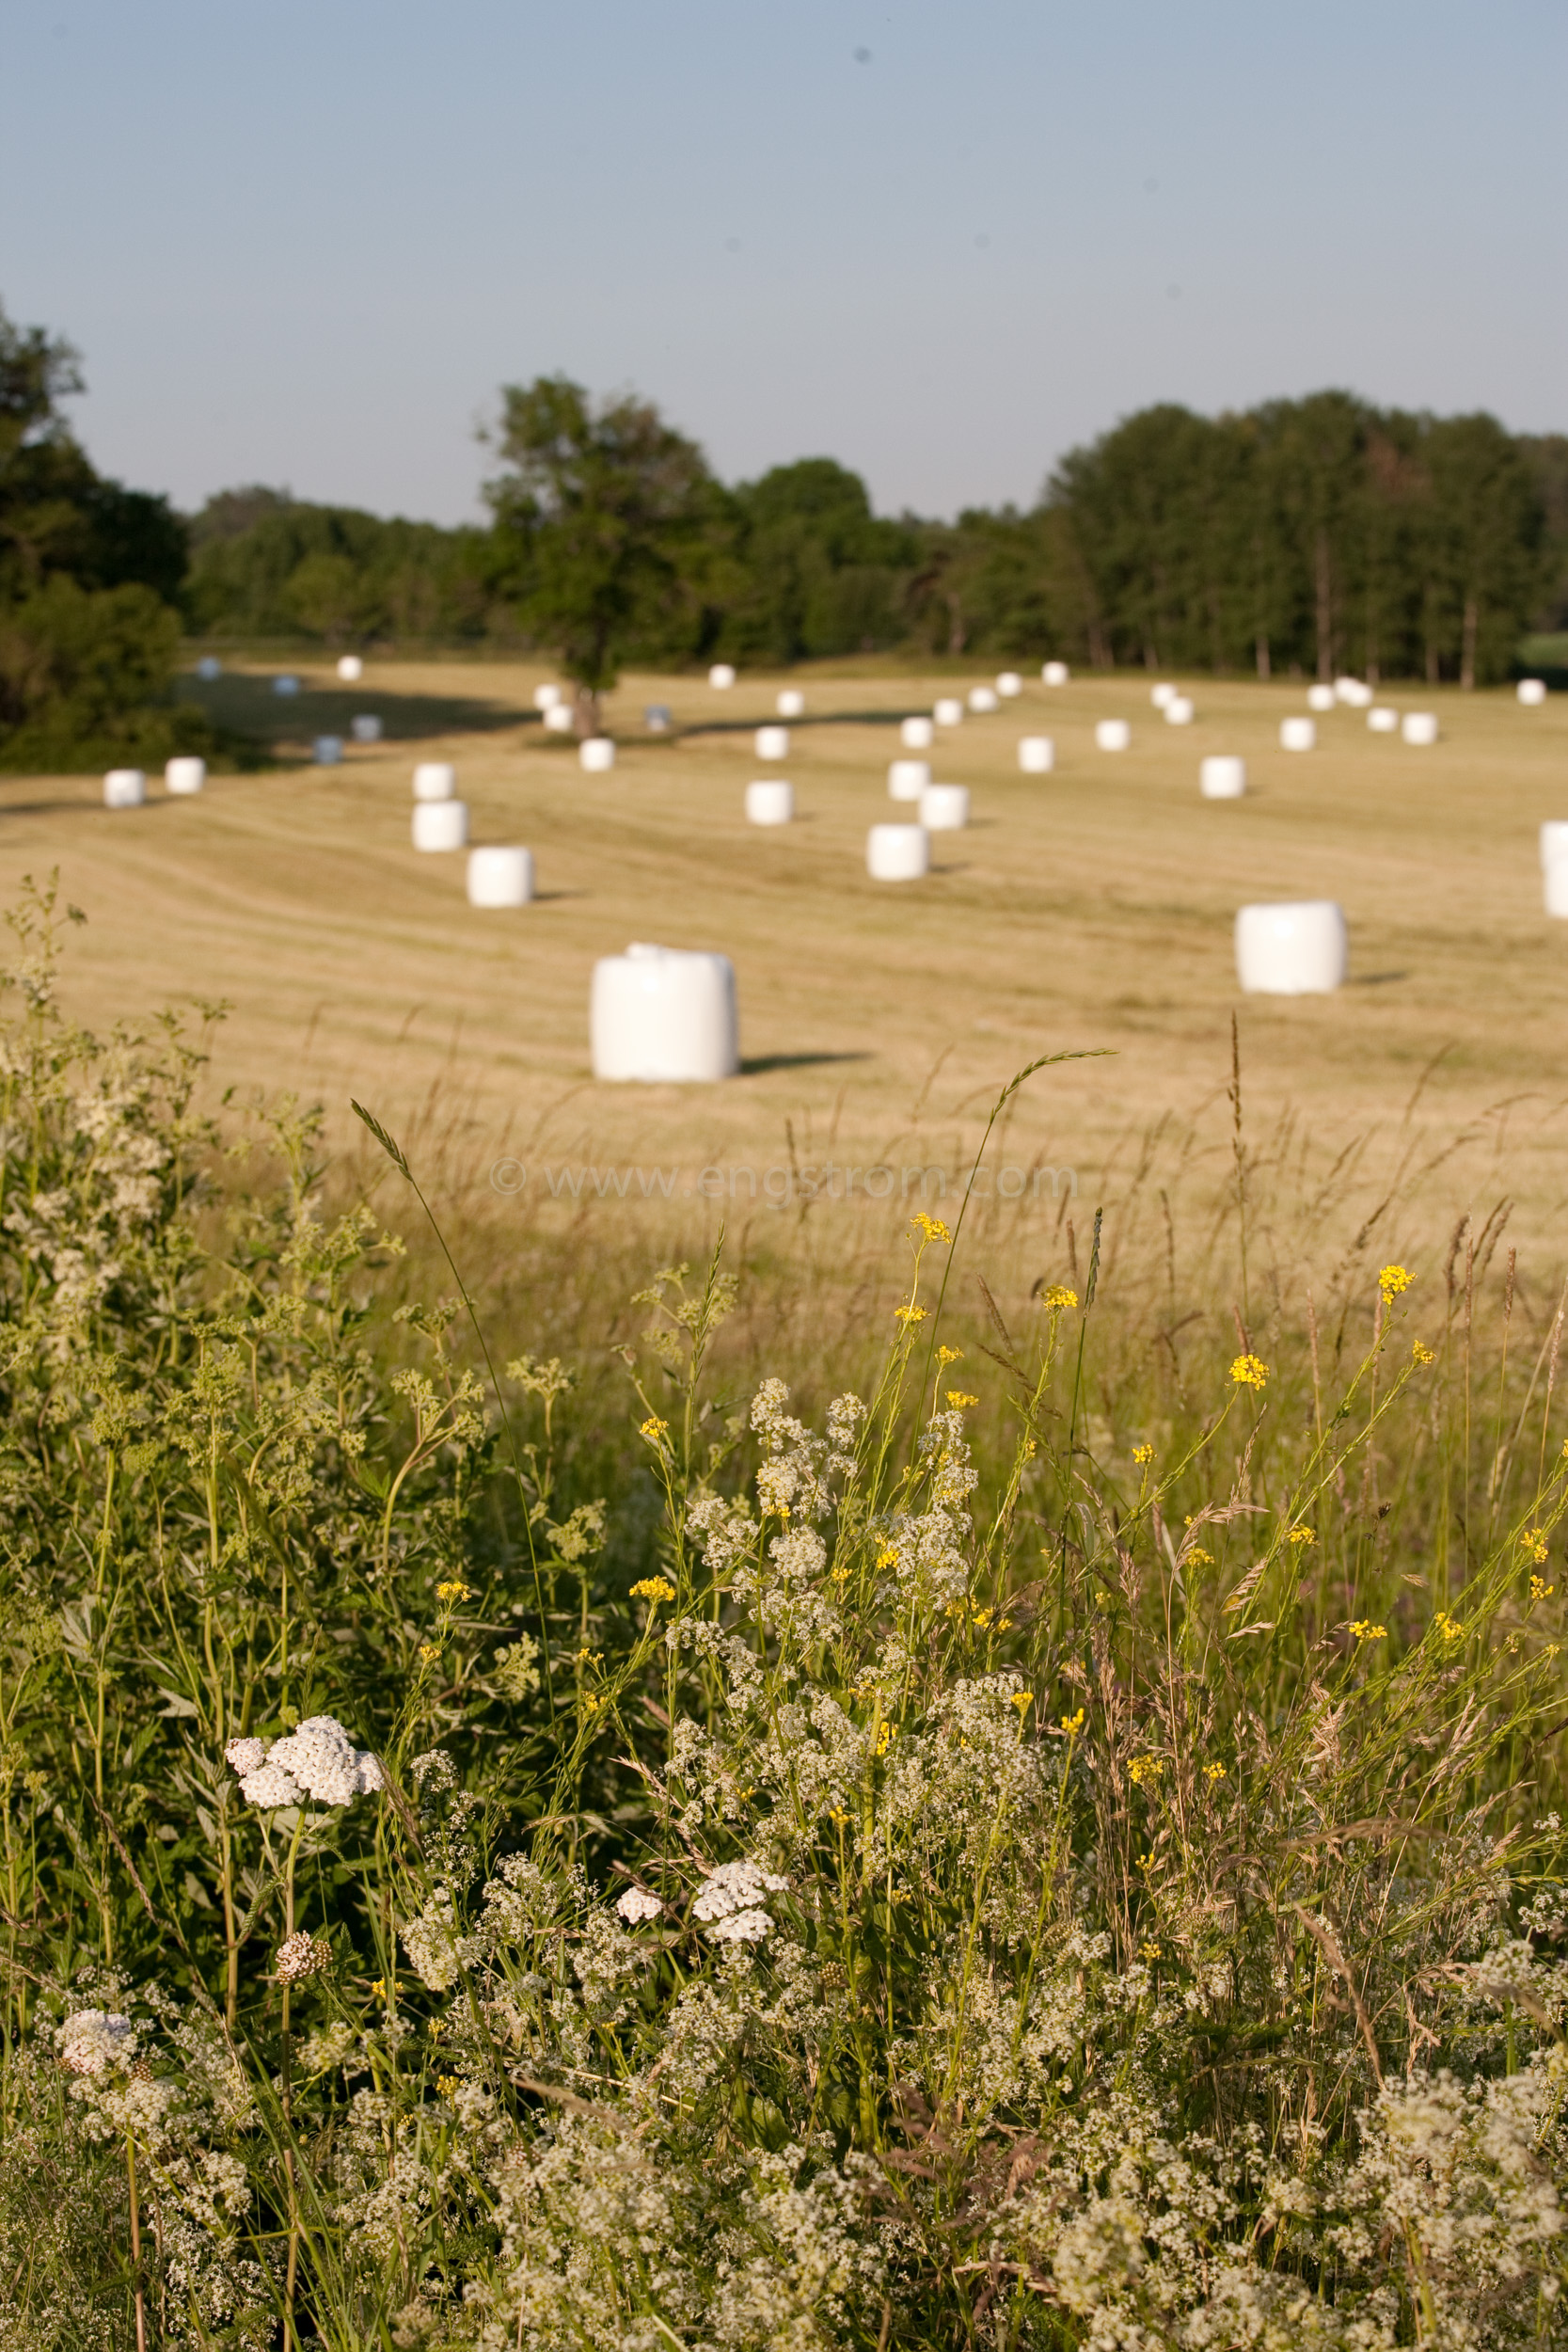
(1089, 907)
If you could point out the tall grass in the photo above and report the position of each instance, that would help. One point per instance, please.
(1056, 1845)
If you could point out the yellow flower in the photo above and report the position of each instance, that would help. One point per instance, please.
(1145, 1768)
(1422, 1353)
(910, 1315)
(838, 1816)
(887, 1732)
(450, 1593)
(1534, 1543)
(1449, 1628)
(591, 1702)
(1365, 1630)
(1058, 1297)
(959, 1399)
(1003, 1625)
(429, 1652)
(1023, 1701)
(1073, 1725)
(1143, 1453)
(1391, 1281)
(1540, 1590)
(1198, 1557)
(653, 1429)
(1213, 1771)
(1151, 1951)
(654, 1588)
(378, 1990)
(446, 2084)
(932, 1227)
(946, 1354)
(1145, 1861)
(888, 1556)
(1249, 1372)
(1302, 1535)
(839, 1577)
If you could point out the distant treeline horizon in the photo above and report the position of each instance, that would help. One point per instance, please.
(1301, 537)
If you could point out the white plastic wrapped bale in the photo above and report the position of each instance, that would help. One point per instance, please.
(897, 852)
(545, 698)
(1162, 694)
(597, 754)
(982, 699)
(1353, 692)
(1112, 735)
(907, 779)
(663, 1016)
(770, 802)
(721, 677)
(184, 776)
(945, 807)
(124, 787)
(1383, 721)
(558, 719)
(1554, 842)
(327, 750)
(1320, 698)
(500, 877)
(435, 780)
(1297, 735)
(208, 668)
(772, 742)
(1420, 727)
(1555, 883)
(1037, 754)
(1178, 711)
(1054, 673)
(366, 728)
(440, 824)
(1532, 692)
(351, 669)
(791, 703)
(1291, 949)
(1222, 778)
(655, 718)
(1008, 683)
(285, 685)
(917, 735)
(948, 712)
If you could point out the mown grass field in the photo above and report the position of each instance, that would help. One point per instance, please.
(1089, 907)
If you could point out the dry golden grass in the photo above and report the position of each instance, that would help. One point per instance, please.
(1090, 908)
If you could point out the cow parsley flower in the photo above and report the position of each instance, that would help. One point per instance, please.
(94, 2040)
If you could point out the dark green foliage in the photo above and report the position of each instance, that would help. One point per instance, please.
(819, 573)
(268, 566)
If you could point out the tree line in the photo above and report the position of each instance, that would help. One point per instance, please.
(1299, 538)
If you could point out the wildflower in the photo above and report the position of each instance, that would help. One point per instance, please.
(886, 1733)
(590, 1701)
(652, 1588)
(838, 1817)
(1213, 1771)
(1195, 1555)
(1143, 1455)
(932, 1227)
(887, 1556)
(246, 1756)
(1058, 1297)
(378, 1988)
(1539, 1590)
(1023, 1701)
(317, 1760)
(1073, 1725)
(981, 1618)
(1534, 1544)
(1449, 1628)
(1145, 1768)
(1249, 1372)
(946, 1354)
(743, 1926)
(1302, 1535)
(736, 1889)
(446, 2084)
(1365, 1630)
(959, 1399)
(636, 1906)
(429, 1653)
(1391, 1281)
(1145, 1861)
(1421, 1353)
(453, 1592)
(301, 1955)
(1151, 1951)
(94, 2040)
(910, 1314)
(653, 1429)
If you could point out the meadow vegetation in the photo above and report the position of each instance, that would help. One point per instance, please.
(1048, 1835)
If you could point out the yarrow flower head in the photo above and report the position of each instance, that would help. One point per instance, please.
(1249, 1372)
(317, 1760)
(93, 2040)
(1391, 1281)
(301, 1955)
(730, 1903)
(635, 1905)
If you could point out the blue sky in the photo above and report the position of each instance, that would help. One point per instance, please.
(303, 243)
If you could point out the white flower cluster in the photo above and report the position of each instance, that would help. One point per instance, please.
(730, 1903)
(301, 1955)
(94, 2040)
(317, 1760)
(635, 1906)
